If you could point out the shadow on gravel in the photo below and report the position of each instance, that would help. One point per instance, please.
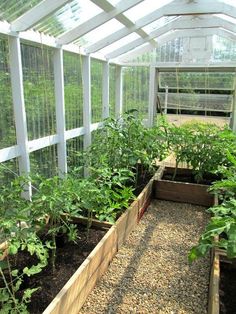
(118, 295)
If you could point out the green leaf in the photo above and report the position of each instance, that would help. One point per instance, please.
(28, 293)
(3, 265)
(4, 295)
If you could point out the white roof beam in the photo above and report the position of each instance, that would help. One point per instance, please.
(172, 35)
(173, 8)
(182, 23)
(106, 6)
(36, 14)
(96, 21)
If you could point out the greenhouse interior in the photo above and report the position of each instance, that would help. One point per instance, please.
(118, 156)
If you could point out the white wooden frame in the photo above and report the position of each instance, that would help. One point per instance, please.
(20, 30)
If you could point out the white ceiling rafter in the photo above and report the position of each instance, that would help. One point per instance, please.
(172, 35)
(181, 23)
(36, 14)
(96, 21)
(172, 9)
(106, 6)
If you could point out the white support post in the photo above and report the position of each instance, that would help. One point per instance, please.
(87, 113)
(119, 92)
(19, 108)
(166, 100)
(60, 111)
(232, 122)
(152, 95)
(105, 90)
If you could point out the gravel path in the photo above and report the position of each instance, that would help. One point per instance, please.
(150, 273)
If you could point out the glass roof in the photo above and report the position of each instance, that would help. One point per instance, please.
(125, 40)
(144, 8)
(100, 32)
(159, 23)
(12, 9)
(75, 12)
(69, 16)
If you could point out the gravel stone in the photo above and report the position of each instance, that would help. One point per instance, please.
(151, 274)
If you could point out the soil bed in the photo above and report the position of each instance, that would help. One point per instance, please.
(227, 288)
(69, 257)
(150, 273)
(186, 175)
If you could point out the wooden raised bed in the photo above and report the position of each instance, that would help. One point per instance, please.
(219, 257)
(73, 295)
(183, 192)
(213, 294)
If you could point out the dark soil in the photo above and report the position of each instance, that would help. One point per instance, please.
(69, 257)
(190, 178)
(227, 288)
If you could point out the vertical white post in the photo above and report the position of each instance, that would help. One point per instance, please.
(87, 114)
(152, 95)
(166, 100)
(233, 114)
(19, 108)
(105, 90)
(119, 92)
(60, 110)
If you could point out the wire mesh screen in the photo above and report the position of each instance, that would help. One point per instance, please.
(74, 148)
(44, 161)
(112, 90)
(7, 125)
(73, 90)
(199, 80)
(136, 90)
(8, 171)
(96, 90)
(194, 101)
(39, 90)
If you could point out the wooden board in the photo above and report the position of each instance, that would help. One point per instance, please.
(72, 296)
(183, 192)
(126, 223)
(102, 225)
(213, 296)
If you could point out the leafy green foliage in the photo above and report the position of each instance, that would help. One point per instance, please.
(17, 224)
(125, 142)
(202, 146)
(226, 188)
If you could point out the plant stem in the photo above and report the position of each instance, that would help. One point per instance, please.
(8, 289)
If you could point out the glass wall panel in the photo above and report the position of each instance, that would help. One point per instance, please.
(73, 90)
(112, 90)
(74, 148)
(7, 123)
(136, 90)
(39, 90)
(9, 170)
(96, 90)
(44, 161)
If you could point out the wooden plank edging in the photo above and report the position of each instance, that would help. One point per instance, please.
(72, 296)
(213, 298)
(68, 300)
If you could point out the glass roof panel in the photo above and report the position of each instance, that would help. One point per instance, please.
(69, 16)
(159, 23)
(119, 43)
(12, 9)
(231, 2)
(144, 8)
(114, 2)
(226, 17)
(100, 32)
